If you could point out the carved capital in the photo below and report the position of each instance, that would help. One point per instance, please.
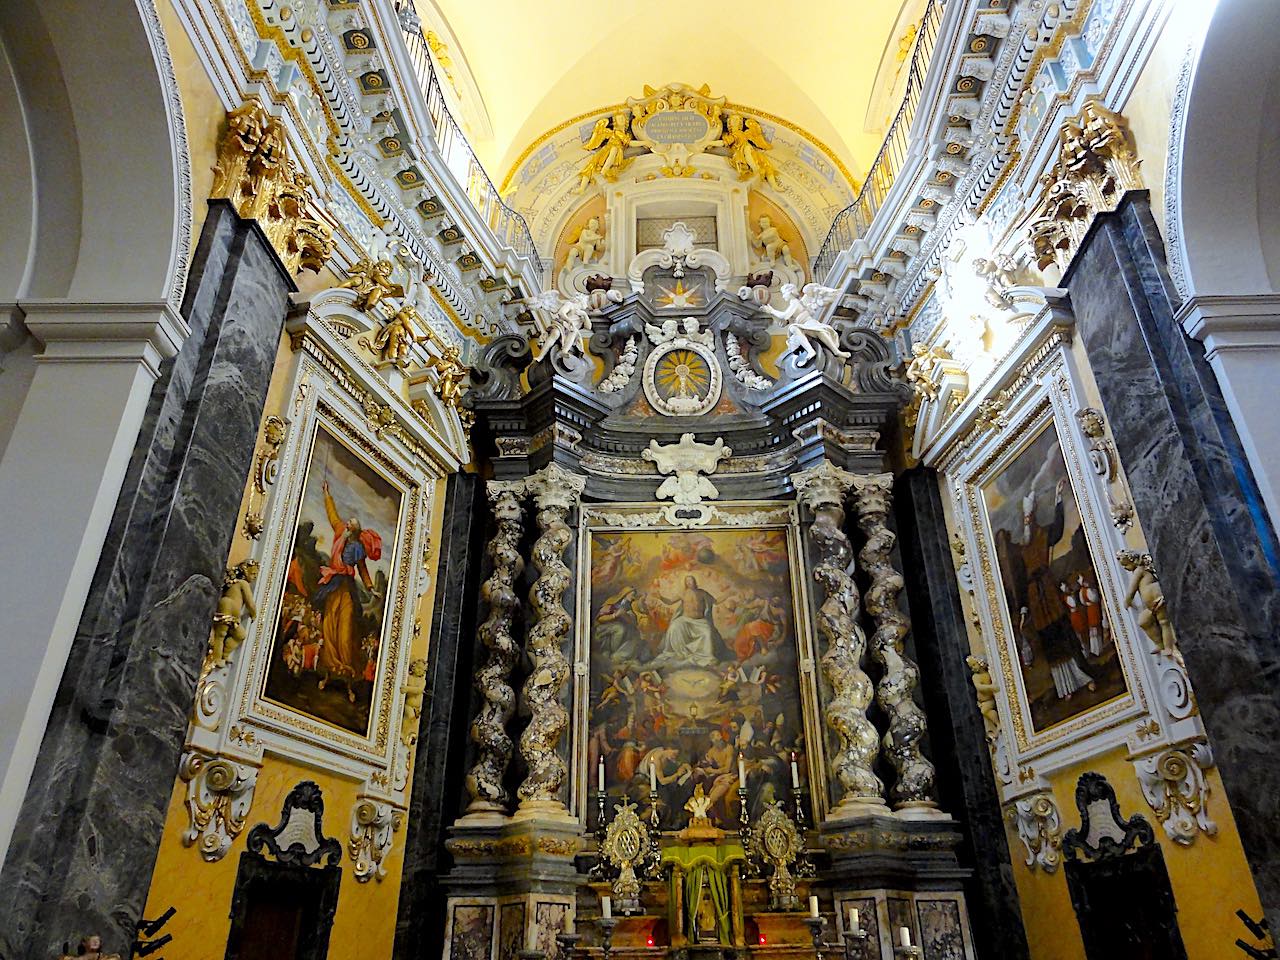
(825, 485)
(554, 487)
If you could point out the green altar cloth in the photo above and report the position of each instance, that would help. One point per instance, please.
(704, 868)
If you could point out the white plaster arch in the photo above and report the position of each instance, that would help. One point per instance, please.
(1225, 155)
(1223, 222)
(95, 140)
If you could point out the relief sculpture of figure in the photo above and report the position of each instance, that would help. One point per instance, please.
(800, 314)
(589, 244)
(371, 283)
(770, 245)
(398, 335)
(237, 600)
(747, 149)
(1145, 586)
(987, 690)
(609, 143)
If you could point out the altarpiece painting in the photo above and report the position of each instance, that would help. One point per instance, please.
(325, 651)
(1066, 648)
(693, 661)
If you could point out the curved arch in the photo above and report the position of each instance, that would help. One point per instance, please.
(1225, 156)
(91, 103)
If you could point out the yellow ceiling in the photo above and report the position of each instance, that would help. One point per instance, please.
(536, 65)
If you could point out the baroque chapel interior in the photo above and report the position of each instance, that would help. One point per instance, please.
(600, 481)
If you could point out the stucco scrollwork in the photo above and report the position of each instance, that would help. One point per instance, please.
(1039, 826)
(219, 794)
(1174, 785)
(372, 826)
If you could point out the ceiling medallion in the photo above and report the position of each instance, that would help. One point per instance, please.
(681, 375)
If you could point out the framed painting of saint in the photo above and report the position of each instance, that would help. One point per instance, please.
(327, 640)
(691, 637)
(1066, 649)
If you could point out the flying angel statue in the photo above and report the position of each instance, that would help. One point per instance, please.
(569, 317)
(800, 314)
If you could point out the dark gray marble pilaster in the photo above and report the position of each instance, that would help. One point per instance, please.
(439, 766)
(1213, 544)
(91, 822)
(966, 785)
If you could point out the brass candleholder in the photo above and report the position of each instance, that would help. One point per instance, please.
(815, 925)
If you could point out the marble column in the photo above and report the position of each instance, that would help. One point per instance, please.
(91, 822)
(895, 691)
(823, 490)
(957, 735)
(489, 730)
(439, 762)
(1200, 508)
(555, 492)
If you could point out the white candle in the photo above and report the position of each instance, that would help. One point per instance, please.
(606, 908)
(813, 906)
(853, 920)
(742, 772)
(653, 777)
(904, 937)
(795, 774)
(600, 776)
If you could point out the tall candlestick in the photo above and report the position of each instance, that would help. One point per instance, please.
(742, 772)
(904, 937)
(813, 905)
(600, 776)
(795, 772)
(606, 908)
(653, 777)
(853, 920)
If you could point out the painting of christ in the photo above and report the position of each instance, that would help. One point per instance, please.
(325, 650)
(1065, 649)
(693, 663)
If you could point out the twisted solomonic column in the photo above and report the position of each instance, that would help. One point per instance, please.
(489, 730)
(555, 491)
(896, 689)
(823, 489)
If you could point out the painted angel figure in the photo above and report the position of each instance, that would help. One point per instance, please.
(800, 314)
(609, 144)
(569, 319)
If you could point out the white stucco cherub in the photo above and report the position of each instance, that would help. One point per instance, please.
(800, 314)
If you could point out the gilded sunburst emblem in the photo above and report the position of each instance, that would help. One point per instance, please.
(682, 373)
(679, 296)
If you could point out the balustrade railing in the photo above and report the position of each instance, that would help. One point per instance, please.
(507, 225)
(854, 220)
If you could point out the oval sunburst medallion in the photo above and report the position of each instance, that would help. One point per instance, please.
(682, 378)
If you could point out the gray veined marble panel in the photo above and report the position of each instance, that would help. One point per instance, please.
(1213, 544)
(966, 785)
(91, 822)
